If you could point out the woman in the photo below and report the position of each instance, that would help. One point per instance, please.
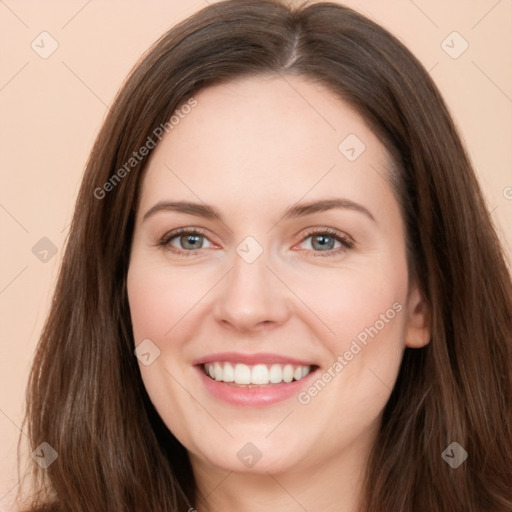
(199, 355)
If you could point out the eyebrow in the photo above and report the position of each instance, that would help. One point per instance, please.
(297, 210)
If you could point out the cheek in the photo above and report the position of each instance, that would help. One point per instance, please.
(363, 315)
(354, 304)
(158, 299)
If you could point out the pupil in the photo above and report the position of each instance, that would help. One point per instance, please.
(324, 241)
(193, 240)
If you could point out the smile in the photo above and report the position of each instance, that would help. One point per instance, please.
(255, 375)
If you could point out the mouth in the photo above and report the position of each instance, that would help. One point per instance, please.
(253, 380)
(240, 374)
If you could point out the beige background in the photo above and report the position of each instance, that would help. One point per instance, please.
(52, 109)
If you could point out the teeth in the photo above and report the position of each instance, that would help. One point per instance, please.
(229, 373)
(259, 374)
(276, 374)
(288, 373)
(242, 374)
(217, 370)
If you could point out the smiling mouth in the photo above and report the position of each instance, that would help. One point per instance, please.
(240, 374)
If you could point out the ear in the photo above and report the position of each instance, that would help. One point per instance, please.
(417, 329)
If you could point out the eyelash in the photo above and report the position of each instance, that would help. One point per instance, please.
(346, 242)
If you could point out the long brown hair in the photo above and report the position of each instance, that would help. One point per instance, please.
(86, 397)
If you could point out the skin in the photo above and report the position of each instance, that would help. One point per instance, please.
(252, 148)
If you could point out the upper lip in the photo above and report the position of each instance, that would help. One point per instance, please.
(251, 359)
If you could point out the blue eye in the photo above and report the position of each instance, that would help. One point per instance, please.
(184, 241)
(324, 242)
(328, 242)
(191, 241)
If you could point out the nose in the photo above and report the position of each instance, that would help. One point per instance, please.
(251, 297)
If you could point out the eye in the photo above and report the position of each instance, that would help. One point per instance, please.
(184, 241)
(190, 241)
(327, 242)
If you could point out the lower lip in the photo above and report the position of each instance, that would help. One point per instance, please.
(253, 396)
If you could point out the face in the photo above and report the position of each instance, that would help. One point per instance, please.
(268, 281)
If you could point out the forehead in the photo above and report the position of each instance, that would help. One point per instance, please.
(261, 136)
